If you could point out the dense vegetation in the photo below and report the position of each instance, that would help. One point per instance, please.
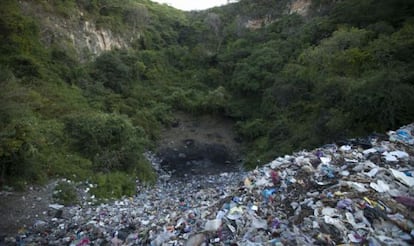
(296, 82)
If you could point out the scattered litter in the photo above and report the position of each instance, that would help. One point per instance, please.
(380, 186)
(407, 180)
(56, 206)
(403, 135)
(356, 194)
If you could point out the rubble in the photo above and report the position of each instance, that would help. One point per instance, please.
(350, 194)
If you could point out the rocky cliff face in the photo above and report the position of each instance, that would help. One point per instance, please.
(79, 32)
(76, 33)
(300, 7)
(95, 40)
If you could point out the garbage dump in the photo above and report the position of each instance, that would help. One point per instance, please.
(357, 193)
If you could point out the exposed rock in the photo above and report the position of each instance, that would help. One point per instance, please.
(76, 33)
(300, 7)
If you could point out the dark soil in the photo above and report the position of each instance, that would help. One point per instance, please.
(20, 210)
(197, 145)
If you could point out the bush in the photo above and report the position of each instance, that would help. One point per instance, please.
(112, 72)
(65, 193)
(113, 185)
(110, 141)
(19, 139)
(62, 163)
(25, 66)
(251, 129)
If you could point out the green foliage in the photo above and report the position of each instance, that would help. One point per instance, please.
(257, 156)
(316, 29)
(66, 8)
(394, 50)
(46, 90)
(63, 64)
(113, 185)
(252, 129)
(216, 100)
(112, 72)
(385, 99)
(340, 54)
(316, 94)
(110, 140)
(360, 13)
(20, 142)
(188, 100)
(25, 66)
(65, 193)
(19, 34)
(293, 83)
(64, 163)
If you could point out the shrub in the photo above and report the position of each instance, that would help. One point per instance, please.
(110, 141)
(113, 185)
(112, 72)
(65, 193)
(251, 129)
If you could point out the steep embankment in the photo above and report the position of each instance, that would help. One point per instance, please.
(76, 30)
(76, 101)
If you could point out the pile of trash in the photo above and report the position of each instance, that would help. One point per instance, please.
(357, 193)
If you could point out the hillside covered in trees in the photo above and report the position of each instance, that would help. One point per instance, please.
(86, 86)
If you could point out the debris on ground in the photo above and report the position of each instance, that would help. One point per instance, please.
(348, 194)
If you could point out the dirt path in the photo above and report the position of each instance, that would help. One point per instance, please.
(19, 210)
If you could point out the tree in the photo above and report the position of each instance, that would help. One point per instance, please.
(112, 72)
(20, 140)
(342, 54)
(137, 17)
(109, 140)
